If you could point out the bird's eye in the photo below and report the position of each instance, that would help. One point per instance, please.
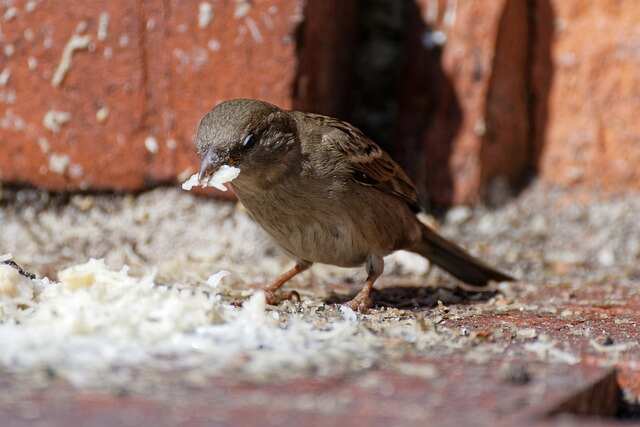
(249, 141)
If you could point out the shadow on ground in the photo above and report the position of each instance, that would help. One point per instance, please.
(416, 297)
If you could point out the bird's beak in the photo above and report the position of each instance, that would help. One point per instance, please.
(210, 163)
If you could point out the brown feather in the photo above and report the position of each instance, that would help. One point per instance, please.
(370, 165)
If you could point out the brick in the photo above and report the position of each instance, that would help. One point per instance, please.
(593, 134)
(161, 66)
(464, 102)
(108, 73)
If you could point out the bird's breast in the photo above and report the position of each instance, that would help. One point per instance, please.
(321, 222)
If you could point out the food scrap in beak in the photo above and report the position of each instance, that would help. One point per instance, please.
(223, 175)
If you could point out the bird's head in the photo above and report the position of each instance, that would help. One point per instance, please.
(252, 135)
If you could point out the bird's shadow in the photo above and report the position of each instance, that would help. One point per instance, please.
(416, 297)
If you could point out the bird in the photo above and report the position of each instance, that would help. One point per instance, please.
(325, 193)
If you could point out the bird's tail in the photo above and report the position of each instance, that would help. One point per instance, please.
(456, 261)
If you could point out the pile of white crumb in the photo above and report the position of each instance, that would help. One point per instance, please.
(95, 321)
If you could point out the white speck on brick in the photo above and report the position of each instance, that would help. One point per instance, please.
(31, 5)
(32, 63)
(47, 42)
(268, 22)
(123, 41)
(254, 30)
(108, 52)
(151, 24)
(5, 75)
(431, 39)
(53, 120)
(171, 144)
(58, 163)
(102, 114)
(151, 144)
(75, 43)
(82, 27)
(8, 96)
(431, 14)
(480, 127)
(213, 45)
(205, 14)
(103, 26)
(28, 34)
(242, 9)
(10, 13)
(200, 57)
(10, 120)
(9, 49)
(449, 18)
(43, 143)
(76, 171)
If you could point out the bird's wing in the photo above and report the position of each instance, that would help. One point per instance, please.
(366, 162)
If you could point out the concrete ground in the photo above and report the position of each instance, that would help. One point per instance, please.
(560, 346)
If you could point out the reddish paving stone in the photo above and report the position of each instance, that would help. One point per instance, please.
(463, 393)
(161, 66)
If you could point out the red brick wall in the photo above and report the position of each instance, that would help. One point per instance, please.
(489, 91)
(123, 113)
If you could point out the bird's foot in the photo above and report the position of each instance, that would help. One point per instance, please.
(275, 298)
(360, 303)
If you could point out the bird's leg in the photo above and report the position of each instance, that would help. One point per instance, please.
(362, 301)
(270, 290)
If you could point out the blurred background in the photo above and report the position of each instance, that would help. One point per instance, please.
(474, 98)
(517, 119)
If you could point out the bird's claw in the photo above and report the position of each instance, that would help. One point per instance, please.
(360, 303)
(274, 299)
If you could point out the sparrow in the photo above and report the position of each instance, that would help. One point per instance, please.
(325, 193)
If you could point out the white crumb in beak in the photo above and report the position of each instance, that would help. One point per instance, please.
(191, 182)
(223, 175)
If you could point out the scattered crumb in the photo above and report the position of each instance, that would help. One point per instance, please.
(215, 280)
(420, 370)
(546, 350)
(528, 333)
(348, 314)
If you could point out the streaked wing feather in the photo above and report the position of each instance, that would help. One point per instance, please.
(371, 165)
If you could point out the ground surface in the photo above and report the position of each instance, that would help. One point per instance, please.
(429, 350)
